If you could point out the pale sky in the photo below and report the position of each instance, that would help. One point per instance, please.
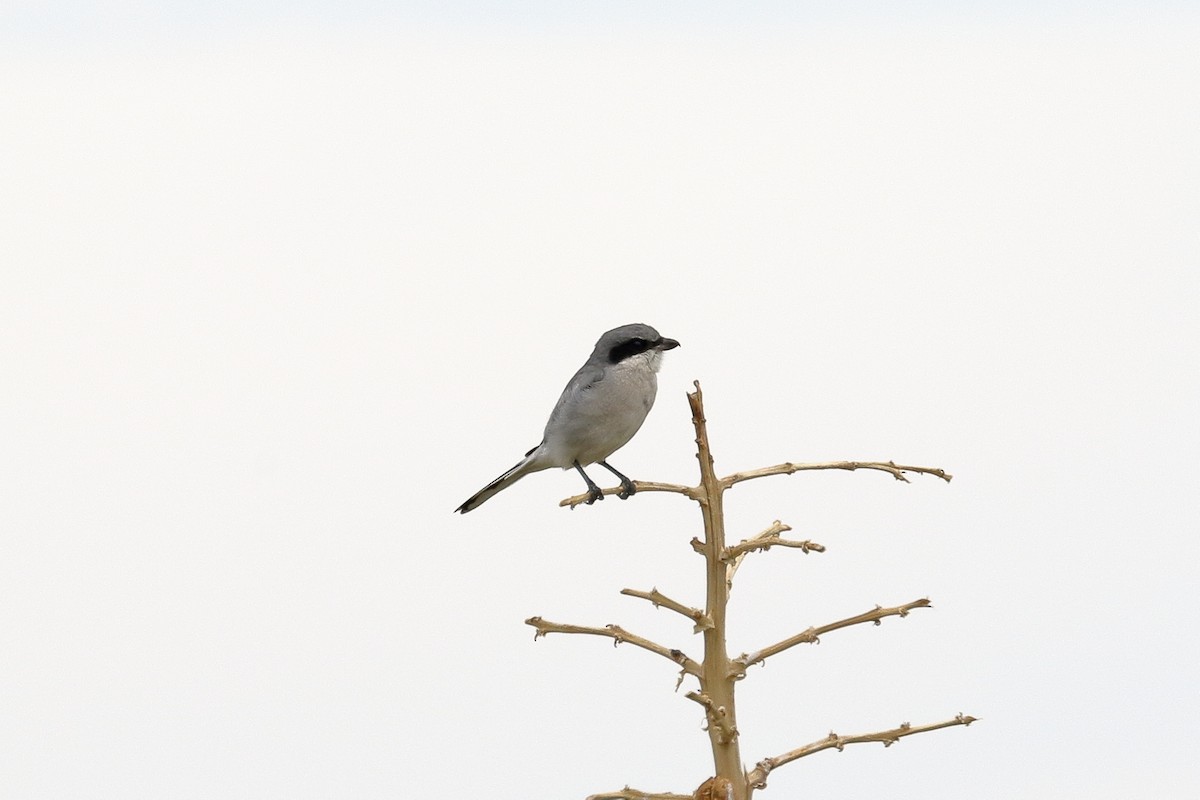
(283, 285)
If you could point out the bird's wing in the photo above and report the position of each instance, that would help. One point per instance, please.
(582, 381)
(588, 376)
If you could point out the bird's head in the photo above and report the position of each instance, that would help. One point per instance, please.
(629, 341)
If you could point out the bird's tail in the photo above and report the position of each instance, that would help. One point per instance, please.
(527, 465)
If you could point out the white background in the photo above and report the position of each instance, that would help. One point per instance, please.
(283, 286)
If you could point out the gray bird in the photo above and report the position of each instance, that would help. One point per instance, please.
(599, 411)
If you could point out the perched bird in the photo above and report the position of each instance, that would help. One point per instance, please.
(599, 411)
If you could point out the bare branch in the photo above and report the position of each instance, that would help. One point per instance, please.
(758, 776)
(766, 540)
(701, 620)
(896, 470)
(618, 635)
(733, 556)
(740, 549)
(718, 674)
(716, 716)
(715, 788)
(639, 486)
(717, 685)
(634, 794)
(812, 635)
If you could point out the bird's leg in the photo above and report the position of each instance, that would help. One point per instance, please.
(594, 492)
(627, 487)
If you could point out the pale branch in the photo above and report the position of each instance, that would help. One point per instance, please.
(757, 777)
(812, 635)
(765, 541)
(723, 738)
(715, 788)
(732, 556)
(742, 548)
(895, 470)
(701, 620)
(634, 794)
(772, 530)
(716, 716)
(639, 486)
(618, 635)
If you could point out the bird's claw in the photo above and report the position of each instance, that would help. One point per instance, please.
(628, 490)
(594, 494)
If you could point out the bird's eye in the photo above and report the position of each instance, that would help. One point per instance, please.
(628, 348)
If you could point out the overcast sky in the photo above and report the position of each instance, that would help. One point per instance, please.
(284, 283)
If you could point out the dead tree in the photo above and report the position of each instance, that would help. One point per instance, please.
(717, 672)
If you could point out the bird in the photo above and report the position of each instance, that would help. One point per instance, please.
(602, 407)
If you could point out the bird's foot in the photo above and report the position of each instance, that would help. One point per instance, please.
(594, 494)
(627, 488)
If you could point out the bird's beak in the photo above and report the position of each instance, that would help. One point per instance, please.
(668, 344)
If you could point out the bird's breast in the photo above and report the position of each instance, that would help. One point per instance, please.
(602, 418)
